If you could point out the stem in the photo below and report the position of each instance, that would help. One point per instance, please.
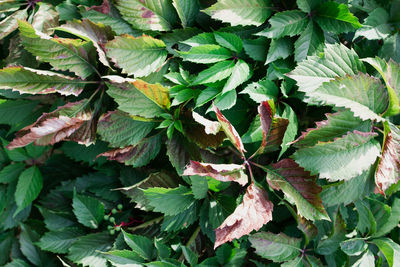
(190, 241)
(146, 224)
(250, 171)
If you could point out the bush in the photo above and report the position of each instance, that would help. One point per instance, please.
(199, 133)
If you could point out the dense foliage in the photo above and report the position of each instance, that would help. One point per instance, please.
(199, 133)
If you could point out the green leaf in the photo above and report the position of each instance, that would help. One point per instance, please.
(255, 48)
(390, 250)
(229, 40)
(307, 5)
(225, 101)
(59, 241)
(120, 258)
(31, 81)
(27, 238)
(240, 74)
(217, 72)
(88, 210)
(199, 186)
(367, 260)
(275, 247)
(138, 56)
(346, 192)
(30, 183)
(393, 221)
(6, 241)
(190, 256)
(120, 129)
(56, 220)
(376, 26)
(11, 172)
(89, 31)
(10, 23)
(341, 159)
(336, 18)
(337, 60)
(169, 201)
(181, 220)
(390, 48)
(17, 263)
(329, 244)
(87, 249)
(45, 18)
(205, 54)
(204, 38)
(262, 90)
(310, 41)
(206, 95)
(13, 112)
(187, 11)
(279, 48)
(138, 155)
(390, 72)
(286, 23)
(364, 95)
(236, 12)
(336, 125)
(291, 130)
(354, 247)
(63, 54)
(154, 15)
(366, 220)
(180, 151)
(299, 187)
(141, 245)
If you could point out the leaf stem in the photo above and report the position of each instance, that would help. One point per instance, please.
(146, 224)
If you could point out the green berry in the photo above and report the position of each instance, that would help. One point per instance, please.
(120, 207)
(114, 211)
(118, 228)
(112, 232)
(112, 219)
(110, 227)
(106, 217)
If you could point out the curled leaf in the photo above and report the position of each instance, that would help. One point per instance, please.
(254, 211)
(229, 130)
(211, 127)
(220, 172)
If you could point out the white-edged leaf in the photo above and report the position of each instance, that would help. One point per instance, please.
(240, 74)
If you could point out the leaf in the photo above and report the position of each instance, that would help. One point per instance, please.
(336, 125)
(10, 23)
(388, 169)
(255, 48)
(229, 40)
(236, 12)
(337, 61)
(349, 191)
(217, 72)
(254, 211)
(299, 187)
(141, 245)
(27, 238)
(286, 23)
(88, 210)
(210, 127)
(390, 48)
(89, 31)
(45, 18)
(364, 95)
(123, 257)
(187, 11)
(146, 15)
(30, 183)
(11, 172)
(59, 241)
(138, 155)
(229, 130)
(17, 263)
(262, 90)
(138, 56)
(87, 249)
(392, 221)
(354, 247)
(310, 41)
(341, 159)
(204, 38)
(180, 151)
(389, 249)
(220, 172)
(65, 123)
(240, 74)
(367, 260)
(120, 129)
(13, 112)
(275, 247)
(169, 201)
(390, 74)
(291, 130)
(279, 48)
(199, 186)
(181, 220)
(63, 54)
(31, 81)
(336, 18)
(376, 26)
(307, 5)
(205, 54)
(329, 244)
(136, 101)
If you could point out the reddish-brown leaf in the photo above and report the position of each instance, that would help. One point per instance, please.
(103, 8)
(299, 186)
(266, 116)
(229, 130)
(388, 170)
(56, 126)
(220, 172)
(254, 211)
